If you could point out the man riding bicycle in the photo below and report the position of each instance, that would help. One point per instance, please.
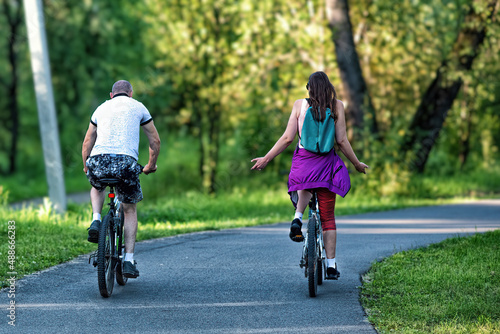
(111, 149)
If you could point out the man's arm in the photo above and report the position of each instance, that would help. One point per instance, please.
(88, 144)
(154, 147)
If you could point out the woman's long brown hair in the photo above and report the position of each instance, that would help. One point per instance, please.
(322, 95)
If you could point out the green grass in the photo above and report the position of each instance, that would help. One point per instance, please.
(42, 239)
(449, 287)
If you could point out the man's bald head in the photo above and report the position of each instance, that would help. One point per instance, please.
(122, 86)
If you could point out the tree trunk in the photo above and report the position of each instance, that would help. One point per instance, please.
(439, 96)
(359, 104)
(199, 123)
(209, 146)
(214, 146)
(466, 117)
(211, 121)
(14, 21)
(465, 140)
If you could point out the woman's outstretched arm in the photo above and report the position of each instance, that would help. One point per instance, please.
(285, 140)
(343, 142)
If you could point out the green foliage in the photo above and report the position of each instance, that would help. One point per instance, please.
(234, 66)
(450, 287)
(225, 72)
(399, 55)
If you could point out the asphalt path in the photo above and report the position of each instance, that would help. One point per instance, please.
(244, 280)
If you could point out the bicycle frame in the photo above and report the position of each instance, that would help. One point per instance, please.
(315, 212)
(114, 207)
(114, 210)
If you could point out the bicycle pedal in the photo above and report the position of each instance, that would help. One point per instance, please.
(332, 277)
(93, 256)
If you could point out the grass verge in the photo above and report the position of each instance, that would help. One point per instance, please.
(449, 287)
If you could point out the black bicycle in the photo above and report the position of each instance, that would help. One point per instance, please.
(108, 258)
(313, 254)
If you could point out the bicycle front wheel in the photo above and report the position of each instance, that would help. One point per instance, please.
(312, 257)
(105, 252)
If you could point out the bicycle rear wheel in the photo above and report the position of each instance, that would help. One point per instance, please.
(120, 279)
(312, 257)
(105, 252)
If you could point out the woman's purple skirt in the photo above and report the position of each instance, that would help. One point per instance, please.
(310, 170)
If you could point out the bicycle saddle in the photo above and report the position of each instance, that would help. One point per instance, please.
(110, 181)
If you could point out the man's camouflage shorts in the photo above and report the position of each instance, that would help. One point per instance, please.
(122, 167)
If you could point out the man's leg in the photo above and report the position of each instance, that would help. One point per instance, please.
(129, 193)
(97, 200)
(130, 212)
(130, 226)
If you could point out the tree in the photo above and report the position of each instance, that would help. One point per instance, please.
(441, 93)
(13, 15)
(235, 65)
(92, 44)
(359, 103)
(438, 98)
(202, 40)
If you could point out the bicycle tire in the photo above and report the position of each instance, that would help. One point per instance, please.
(312, 257)
(321, 269)
(120, 279)
(105, 263)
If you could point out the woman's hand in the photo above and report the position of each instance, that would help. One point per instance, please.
(260, 163)
(360, 167)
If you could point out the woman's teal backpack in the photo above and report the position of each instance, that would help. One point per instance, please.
(318, 137)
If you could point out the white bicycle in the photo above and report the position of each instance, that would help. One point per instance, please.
(313, 254)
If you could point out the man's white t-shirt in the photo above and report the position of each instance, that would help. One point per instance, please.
(118, 122)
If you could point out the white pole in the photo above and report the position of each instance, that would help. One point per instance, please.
(45, 102)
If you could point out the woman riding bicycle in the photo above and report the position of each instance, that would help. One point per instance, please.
(310, 171)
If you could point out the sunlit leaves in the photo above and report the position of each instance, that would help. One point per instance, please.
(254, 60)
